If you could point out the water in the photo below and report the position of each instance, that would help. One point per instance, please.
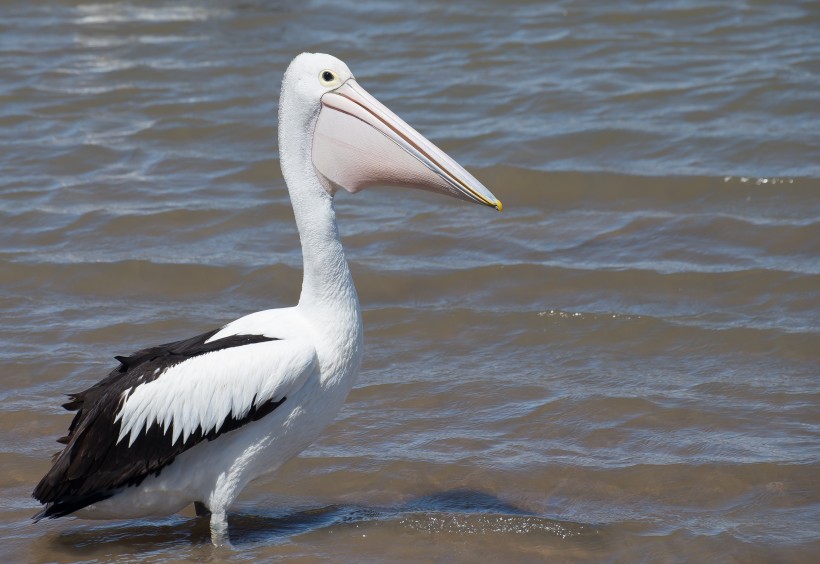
(622, 366)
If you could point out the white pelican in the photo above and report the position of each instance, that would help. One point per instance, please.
(194, 421)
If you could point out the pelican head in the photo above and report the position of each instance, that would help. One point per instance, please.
(357, 142)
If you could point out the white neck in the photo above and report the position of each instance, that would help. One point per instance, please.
(328, 294)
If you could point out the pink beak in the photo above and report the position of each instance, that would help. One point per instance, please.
(358, 142)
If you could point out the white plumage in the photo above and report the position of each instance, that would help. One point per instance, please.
(196, 420)
(201, 392)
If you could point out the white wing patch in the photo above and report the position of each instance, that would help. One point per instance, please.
(202, 391)
(283, 323)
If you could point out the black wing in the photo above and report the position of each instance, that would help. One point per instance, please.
(93, 465)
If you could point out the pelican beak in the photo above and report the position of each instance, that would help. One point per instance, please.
(358, 142)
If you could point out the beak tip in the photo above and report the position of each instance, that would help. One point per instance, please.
(498, 205)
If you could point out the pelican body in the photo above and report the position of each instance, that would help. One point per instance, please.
(194, 421)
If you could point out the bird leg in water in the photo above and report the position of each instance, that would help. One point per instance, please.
(219, 529)
(201, 509)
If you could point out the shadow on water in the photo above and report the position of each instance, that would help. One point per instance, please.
(453, 512)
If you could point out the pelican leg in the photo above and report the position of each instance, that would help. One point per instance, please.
(219, 529)
(201, 509)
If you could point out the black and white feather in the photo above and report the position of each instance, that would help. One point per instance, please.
(162, 401)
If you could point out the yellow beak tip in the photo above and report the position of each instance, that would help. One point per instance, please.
(498, 205)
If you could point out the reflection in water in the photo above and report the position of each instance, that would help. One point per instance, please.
(459, 512)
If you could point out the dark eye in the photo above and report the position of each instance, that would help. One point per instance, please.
(328, 78)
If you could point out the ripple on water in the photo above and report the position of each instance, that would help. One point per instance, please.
(622, 365)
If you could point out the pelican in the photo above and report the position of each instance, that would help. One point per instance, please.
(194, 421)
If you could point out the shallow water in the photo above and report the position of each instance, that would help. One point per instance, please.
(621, 366)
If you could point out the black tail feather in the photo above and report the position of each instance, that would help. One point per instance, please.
(66, 507)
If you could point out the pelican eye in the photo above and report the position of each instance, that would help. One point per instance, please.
(328, 78)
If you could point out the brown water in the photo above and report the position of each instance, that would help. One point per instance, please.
(622, 366)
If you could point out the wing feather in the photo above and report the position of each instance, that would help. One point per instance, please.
(166, 400)
(201, 392)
